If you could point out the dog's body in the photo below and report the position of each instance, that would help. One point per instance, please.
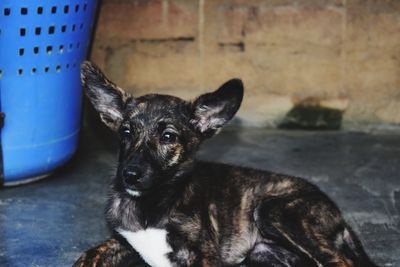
(169, 210)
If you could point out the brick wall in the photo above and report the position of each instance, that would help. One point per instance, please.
(342, 54)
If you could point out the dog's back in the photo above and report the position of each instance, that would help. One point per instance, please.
(241, 214)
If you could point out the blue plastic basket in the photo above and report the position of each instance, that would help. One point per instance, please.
(42, 44)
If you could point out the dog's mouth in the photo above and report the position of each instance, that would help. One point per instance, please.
(133, 192)
(136, 190)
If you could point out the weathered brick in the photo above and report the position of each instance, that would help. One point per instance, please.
(151, 19)
(167, 67)
(264, 109)
(297, 69)
(373, 6)
(290, 24)
(372, 81)
(232, 23)
(389, 113)
(365, 29)
(321, 3)
(99, 56)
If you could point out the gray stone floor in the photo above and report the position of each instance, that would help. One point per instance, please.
(49, 223)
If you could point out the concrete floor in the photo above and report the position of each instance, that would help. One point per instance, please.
(49, 223)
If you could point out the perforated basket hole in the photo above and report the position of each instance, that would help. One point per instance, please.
(53, 10)
(70, 46)
(52, 29)
(76, 8)
(66, 9)
(24, 11)
(1, 74)
(63, 28)
(36, 50)
(61, 49)
(7, 12)
(21, 51)
(20, 71)
(67, 66)
(34, 70)
(85, 6)
(39, 10)
(46, 69)
(81, 26)
(78, 45)
(49, 49)
(38, 30)
(58, 68)
(73, 27)
(22, 31)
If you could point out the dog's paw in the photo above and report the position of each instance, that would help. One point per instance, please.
(92, 258)
(112, 253)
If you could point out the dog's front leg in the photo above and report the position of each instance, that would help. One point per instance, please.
(112, 253)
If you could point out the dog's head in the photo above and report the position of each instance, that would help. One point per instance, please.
(159, 134)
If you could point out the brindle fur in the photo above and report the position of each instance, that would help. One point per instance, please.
(215, 214)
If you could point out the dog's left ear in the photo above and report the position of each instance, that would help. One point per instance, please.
(213, 110)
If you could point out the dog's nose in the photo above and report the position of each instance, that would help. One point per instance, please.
(131, 175)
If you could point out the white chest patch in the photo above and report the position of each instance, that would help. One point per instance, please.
(151, 244)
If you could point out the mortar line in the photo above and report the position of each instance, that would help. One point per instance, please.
(343, 56)
(165, 11)
(201, 41)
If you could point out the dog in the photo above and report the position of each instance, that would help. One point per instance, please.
(168, 209)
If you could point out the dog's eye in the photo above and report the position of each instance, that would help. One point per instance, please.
(168, 138)
(125, 131)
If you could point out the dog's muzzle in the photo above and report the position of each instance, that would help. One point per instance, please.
(132, 176)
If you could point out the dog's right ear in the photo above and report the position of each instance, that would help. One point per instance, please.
(106, 97)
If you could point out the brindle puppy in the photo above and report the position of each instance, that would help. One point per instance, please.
(167, 209)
